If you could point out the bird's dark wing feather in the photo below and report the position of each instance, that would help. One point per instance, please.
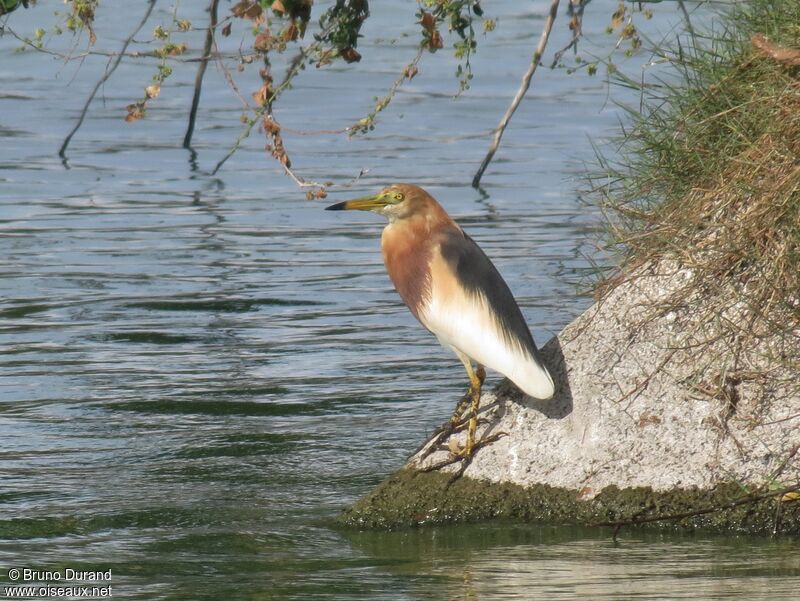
(480, 277)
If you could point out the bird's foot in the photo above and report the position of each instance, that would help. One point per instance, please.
(455, 424)
(464, 455)
(436, 442)
(459, 451)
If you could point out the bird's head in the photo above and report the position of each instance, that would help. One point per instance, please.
(397, 201)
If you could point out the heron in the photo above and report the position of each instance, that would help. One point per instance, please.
(455, 291)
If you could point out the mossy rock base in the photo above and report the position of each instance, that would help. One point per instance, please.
(412, 498)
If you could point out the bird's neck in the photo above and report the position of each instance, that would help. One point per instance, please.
(408, 246)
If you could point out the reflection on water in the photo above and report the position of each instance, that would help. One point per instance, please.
(530, 562)
(197, 373)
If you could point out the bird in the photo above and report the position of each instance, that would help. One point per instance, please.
(456, 292)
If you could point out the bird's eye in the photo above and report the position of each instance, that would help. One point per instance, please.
(398, 196)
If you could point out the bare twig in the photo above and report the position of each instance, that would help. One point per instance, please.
(80, 56)
(201, 71)
(409, 72)
(301, 181)
(239, 139)
(109, 71)
(576, 25)
(781, 420)
(526, 82)
(291, 72)
(318, 189)
(787, 460)
(293, 69)
(226, 73)
(641, 386)
(273, 130)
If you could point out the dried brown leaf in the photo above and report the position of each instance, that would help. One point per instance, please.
(271, 126)
(410, 71)
(135, 111)
(428, 22)
(177, 49)
(618, 18)
(290, 33)
(263, 41)
(248, 9)
(350, 55)
(261, 97)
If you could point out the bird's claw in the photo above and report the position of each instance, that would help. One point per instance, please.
(460, 454)
(445, 431)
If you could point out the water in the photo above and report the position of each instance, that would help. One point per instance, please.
(197, 372)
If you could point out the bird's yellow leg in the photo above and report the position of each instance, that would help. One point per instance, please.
(455, 419)
(480, 376)
(471, 397)
(455, 422)
(457, 453)
(476, 378)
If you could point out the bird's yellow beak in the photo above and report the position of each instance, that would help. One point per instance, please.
(365, 203)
